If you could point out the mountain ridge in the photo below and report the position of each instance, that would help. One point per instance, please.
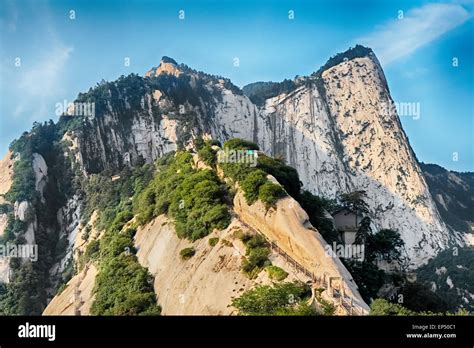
(144, 118)
(330, 126)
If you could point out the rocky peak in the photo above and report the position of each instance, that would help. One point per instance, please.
(358, 51)
(167, 66)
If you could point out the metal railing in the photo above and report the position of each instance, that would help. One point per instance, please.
(324, 281)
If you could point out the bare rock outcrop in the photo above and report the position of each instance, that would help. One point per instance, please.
(77, 297)
(289, 228)
(206, 283)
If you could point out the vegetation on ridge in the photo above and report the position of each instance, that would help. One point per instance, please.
(26, 294)
(279, 299)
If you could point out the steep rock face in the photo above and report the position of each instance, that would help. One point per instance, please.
(147, 117)
(77, 297)
(333, 127)
(6, 178)
(206, 283)
(41, 173)
(341, 133)
(298, 127)
(288, 226)
(6, 175)
(23, 211)
(379, 156)
(104, 142)
(69, 218)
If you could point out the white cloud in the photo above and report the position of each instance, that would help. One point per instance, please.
(33, 87)
(40, 82)
(401, 37)
(42, 79)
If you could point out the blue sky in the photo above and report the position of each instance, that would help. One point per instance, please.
(61, 57)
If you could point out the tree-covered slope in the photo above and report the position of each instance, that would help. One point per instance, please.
(453, 193)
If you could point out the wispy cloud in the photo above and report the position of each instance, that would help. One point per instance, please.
(401, 37)
(42, 78)
(38, 84)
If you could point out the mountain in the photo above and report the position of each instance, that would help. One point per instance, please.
(338, 128)
(453, 193)
(449, 274)
(202, 274)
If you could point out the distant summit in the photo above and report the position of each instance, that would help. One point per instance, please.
(358, 51)
(166, 59)
(258, 92)
(167, 66)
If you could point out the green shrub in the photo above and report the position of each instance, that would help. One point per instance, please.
(383, 307)
(236, 171)
(92, 250)
(251, 185)
(112, 246)
(187, 253)
(328, 308)
(143, 303)
(208, 155)
(120, 220)
(237, 144)
(195, 199)
(255, 262)
(61, 288)
(316, 207)
(287, 176)
(238, 233)
(147, 215)
(87, 231)
(368, 277)
(14, 227)
(279, 299)
(253, 241)
(23, 186)
(155, 198)
(276, 273)
(227, 243)
(198, 207)
(123, 287)
(5, 208)
(256, 255)
(213, 241)
(269, 193)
